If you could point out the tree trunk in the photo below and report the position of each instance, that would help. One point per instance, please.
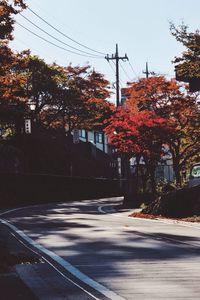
(152, 178)
(137, 174)
(151, 167)
(177, 172)
(144, 179)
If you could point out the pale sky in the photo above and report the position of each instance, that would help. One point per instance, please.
(141, 29)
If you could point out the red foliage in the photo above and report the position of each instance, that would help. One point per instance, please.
(136, 133)
(158, 111)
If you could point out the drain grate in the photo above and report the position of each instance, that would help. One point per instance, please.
(9, 259)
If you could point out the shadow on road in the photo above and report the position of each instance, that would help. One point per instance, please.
(86, 238)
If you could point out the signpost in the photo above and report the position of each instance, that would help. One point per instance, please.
(75, 136)
(27, 126)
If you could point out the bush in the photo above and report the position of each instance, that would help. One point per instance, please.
(176, 203)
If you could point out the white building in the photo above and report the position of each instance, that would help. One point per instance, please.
(97, 138)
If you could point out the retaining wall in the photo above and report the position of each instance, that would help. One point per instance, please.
(17, 189)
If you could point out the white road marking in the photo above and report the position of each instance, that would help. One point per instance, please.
(173, 222)
(53, 266)
(73, 270)
(100, 209)
(66, 265)
(14, 209)
(72, 203)
(166, 221)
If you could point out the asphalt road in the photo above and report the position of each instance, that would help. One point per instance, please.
(92, 252)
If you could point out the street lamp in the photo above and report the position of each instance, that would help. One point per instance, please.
(32, 106)
(29, 120)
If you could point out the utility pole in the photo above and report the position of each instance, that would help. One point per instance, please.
(146, 72)
(117, 58)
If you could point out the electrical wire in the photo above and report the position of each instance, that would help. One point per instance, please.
(36, 50)
(95, 56)
(129, 78)
(113, 84)
(47, 41)
(133, 69)
(111, 66)
(68, 37)
(120, 81)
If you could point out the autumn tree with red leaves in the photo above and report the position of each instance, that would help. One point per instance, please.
(176, 107)
(7, 10)
(11, 96)
(172, 101)
(138, 134)
(68, 97)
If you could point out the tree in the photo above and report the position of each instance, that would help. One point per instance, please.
(188, 65)
(41, 83)
(173, 102)
(139, 134)
(11, 100)
(81, 99)
(68, 97)
(97, 95)
(7, 10)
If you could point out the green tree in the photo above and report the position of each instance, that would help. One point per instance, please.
(187, 66)
(81, 99)
(40, 82)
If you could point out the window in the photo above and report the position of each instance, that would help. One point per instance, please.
(82, 133)
(99, 137)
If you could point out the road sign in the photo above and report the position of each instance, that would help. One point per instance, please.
(27, 126)
(75, 136)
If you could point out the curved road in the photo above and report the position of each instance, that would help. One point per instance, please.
(91, 251)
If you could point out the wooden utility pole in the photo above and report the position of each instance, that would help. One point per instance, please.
(146, 72)
(117, 58)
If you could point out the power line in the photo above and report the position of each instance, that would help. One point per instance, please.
(129, 78)
(111, 67)
(132, 68)
(36, 50)
(25, 44)
(47, 41)
(97, 56)
(114, 70)
(113, 83)
(68, 37)
(121, 82)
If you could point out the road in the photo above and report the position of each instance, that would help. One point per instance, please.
(90, 251)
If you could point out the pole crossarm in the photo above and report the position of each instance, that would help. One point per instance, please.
(147, 72)
(117, 58)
